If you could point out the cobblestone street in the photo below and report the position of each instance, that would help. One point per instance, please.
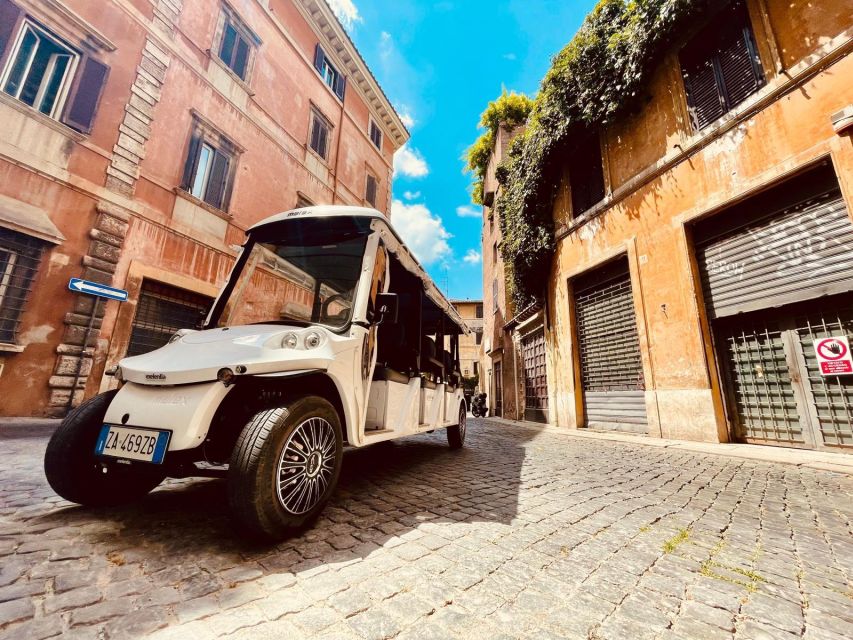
(522, 534)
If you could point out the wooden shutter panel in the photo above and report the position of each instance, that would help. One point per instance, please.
(738, 68)
(85, 95)
(319, 56)
(192, 160)
(704, 99)
(340, 85)
(10, 16)
(216, 183)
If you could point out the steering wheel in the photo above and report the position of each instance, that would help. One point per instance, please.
(324, 310)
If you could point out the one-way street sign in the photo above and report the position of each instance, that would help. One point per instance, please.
(94, 289)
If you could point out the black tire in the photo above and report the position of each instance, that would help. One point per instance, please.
(259, 507)
(72, 470)
(456, 433)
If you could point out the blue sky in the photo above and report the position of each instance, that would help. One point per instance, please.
(440, 62)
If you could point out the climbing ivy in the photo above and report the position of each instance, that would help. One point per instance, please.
(510, 109)
(599, 76)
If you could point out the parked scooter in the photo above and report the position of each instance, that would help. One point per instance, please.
(478, 405)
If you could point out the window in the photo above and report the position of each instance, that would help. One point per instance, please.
(375, 134)
(586, 175)
(477, 364)
(160, 312)
(478, 311)
(331, 76)
(720, 66)
(370, 191)
(236, 43)
(495, 295)
(495, 253)
(46, 73)
(479, 340)
(19, 260)
(320, 134)
(39, 70)
(210, 166)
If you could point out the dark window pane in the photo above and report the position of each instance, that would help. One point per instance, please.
(586, 175)
(241, 59)
(229, 39)
(22, 61)
(54, 82)
(370, 195)
(319, 136)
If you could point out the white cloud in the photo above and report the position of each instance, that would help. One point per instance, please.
(421, 230)
(466, 211)
(407, 119)
(472, 257)
(346, 12)
(409, 163)
(412, 195)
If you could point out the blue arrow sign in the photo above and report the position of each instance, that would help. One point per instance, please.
(94, 289)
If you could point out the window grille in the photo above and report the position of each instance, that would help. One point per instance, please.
(19, 261)
(160, 312)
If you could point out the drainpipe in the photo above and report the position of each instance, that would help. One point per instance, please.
(338, 152)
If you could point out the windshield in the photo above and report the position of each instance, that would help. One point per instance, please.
(295, 281)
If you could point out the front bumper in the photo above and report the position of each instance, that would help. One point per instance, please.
(185, 410)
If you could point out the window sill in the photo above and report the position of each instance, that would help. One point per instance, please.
(243, 84)
(38, 116)
(317, 156)
(11, 348)
(186, 195)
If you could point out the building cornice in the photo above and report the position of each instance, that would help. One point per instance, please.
(322, 18)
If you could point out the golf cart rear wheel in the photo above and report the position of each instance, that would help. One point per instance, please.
(456, 433)
(74, 472)
(284, 468)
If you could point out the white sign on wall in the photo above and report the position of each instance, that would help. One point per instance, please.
(833, 356)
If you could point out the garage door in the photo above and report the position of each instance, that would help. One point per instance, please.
(777, 272)
(611, 366)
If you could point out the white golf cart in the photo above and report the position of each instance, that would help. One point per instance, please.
(328, 332)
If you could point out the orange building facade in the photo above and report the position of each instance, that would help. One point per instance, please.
(141, 138)
(705, 243)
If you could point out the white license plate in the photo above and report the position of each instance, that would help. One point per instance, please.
(133, 443)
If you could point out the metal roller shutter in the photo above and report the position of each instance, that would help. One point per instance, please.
(792, 253)
(611, 366)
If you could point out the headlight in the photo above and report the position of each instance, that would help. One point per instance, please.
(289, 340)
(313, 340)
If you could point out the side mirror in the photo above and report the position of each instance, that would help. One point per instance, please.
(387, 307)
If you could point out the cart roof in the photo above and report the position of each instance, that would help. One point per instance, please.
(373, 219)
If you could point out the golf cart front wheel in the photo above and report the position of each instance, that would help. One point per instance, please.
(456, 433)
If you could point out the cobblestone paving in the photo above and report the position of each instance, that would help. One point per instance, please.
(522, 534)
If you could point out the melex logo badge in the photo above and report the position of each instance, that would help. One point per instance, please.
(155, 376)
(833, 356)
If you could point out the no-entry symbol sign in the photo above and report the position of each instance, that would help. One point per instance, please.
(833, 356)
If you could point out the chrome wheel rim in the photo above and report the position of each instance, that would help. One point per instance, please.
(306, 466)
(463, 418)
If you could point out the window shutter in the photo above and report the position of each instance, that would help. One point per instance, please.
(216, 183)
(340, 85)
(241, 59)
(319, 56)
(85, 95)
(10, 16)
(192, 160)
(704, 100)
(738, 68)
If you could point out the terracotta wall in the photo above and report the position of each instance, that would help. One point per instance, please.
(662, 175)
